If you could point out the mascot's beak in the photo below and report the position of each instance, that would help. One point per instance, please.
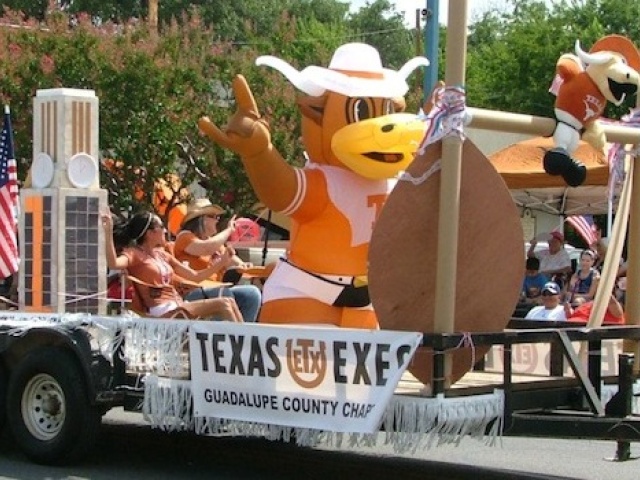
(379, 147)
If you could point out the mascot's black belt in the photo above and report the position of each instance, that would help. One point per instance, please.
(347, 294)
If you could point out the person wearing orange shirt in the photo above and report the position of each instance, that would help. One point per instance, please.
(198, 243)
(614, 314)
(143, 255)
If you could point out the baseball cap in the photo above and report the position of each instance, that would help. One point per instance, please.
(557, 235)
(551, 287)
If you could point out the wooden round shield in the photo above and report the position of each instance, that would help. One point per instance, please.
(403, 256)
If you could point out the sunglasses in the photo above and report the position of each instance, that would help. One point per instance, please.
(548, 294)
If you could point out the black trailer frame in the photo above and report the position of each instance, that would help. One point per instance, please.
(560, 406)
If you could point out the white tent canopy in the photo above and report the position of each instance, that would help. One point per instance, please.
(564, 201)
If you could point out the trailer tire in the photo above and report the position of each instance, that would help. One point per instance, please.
(48, 408)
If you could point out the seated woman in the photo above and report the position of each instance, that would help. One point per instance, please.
(584, 283)
(199, 242)
(144, 257)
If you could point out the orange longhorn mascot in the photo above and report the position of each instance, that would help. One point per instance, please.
(609, 72)
(355, 145)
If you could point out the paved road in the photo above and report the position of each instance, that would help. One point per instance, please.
(130, 450)
(538, 458)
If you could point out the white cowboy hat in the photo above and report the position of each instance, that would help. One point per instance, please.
(355, 71)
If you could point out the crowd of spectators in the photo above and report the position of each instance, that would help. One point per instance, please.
(551, 290)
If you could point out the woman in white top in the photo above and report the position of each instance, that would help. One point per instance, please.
(550, 308)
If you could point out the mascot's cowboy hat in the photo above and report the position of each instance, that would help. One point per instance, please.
(200, 207)
(355, 71)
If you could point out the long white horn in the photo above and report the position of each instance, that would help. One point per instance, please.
(294, 76)
(597, 58)
(411, 65)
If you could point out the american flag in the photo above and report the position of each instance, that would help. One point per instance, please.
(9, 257)
(584, 226)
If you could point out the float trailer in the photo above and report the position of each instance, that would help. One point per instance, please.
(56, 383)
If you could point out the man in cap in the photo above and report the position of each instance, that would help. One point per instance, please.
(554, 261)
(551, 309)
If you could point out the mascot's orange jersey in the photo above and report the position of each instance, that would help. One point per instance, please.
(579, 95)
(334, 211)
(357, 144)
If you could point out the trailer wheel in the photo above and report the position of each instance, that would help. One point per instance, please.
(48, 408)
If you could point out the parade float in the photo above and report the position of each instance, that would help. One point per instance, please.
(416, 382)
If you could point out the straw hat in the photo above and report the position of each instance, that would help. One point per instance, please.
(200, 207)
(355, 70)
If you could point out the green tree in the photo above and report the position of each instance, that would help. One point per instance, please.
(512, 58)
(512, 54)
(108, 10)
(153, 88)
(380, 25)
(30, 8)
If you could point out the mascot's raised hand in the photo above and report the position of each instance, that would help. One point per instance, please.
(584, 83)
(356, 141)
(247, 134)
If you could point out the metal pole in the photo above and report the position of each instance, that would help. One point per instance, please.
(265, 248)
(431, 38)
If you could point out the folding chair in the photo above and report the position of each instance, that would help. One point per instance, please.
(139, 307)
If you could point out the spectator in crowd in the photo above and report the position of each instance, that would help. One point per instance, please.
(551, 309)
(584, 283)
(533, 282)
(599, 246)
(199, 242)
(620, 289)
(614, 315)
(554, 261)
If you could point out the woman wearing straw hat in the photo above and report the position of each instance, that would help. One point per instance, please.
(199, 243)
(145, 258)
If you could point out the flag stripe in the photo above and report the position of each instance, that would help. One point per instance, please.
(584, 226)
(9, 256)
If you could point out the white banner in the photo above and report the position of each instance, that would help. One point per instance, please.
(312, 377)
